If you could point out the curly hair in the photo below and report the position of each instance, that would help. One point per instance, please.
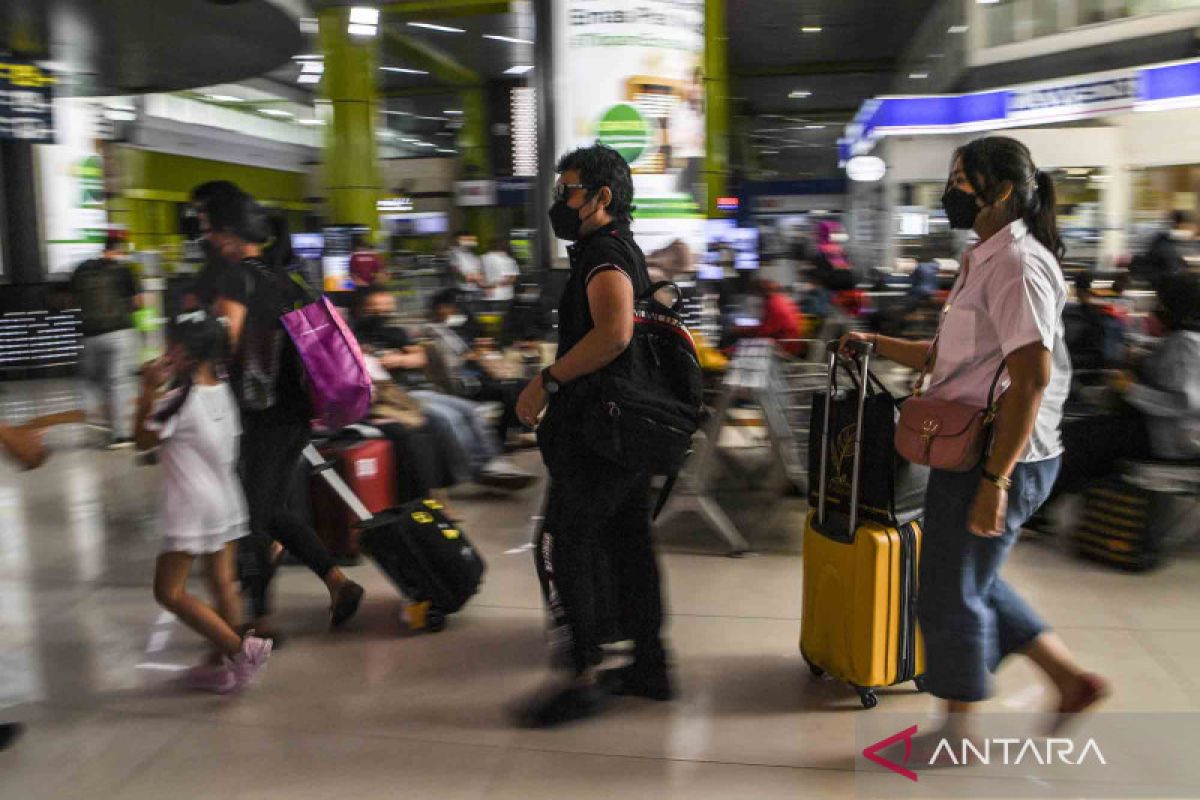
(600, 166)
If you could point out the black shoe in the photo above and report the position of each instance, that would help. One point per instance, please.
(345, 603)
(635, 680)
(562, 704)
(9, 733)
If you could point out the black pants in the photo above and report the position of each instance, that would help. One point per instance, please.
(270, 450)
(418, 467)
(1093, 446)
(506, 394)
(595, 559)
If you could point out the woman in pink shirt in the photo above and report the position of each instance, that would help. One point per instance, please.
(1005, 309)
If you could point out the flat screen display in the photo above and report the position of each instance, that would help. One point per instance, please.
(309, 246)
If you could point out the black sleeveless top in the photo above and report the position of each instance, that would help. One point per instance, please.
(608, 248)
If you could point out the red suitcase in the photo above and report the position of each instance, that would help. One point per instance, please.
(368, 468)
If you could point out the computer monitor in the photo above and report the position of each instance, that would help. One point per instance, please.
(309, 246)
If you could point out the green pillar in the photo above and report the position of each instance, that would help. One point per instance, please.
(716, 103)
(475, 161)
(352, 184)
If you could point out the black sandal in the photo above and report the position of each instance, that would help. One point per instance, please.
(345, 603)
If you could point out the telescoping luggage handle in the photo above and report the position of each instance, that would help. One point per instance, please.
(863, 350)
(326, 470)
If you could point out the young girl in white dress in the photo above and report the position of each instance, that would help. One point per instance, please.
(201, 512)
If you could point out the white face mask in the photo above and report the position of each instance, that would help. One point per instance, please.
(456, 320)
(840, 238)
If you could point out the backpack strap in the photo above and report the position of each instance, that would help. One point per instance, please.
(655, 288)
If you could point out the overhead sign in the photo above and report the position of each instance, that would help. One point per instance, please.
(26, 104)
(513, 191)
(475, 193)
(1117, 93)
(393, 205)
(1152, 88)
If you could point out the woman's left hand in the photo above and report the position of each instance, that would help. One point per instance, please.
(531, 403)
(986, 517)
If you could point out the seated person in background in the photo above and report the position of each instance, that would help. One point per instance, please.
(815, 300)
(464, 358)
(1160, 413)
(1168, 251)
(377, 329)
(529, 319)
(1095, 337)
(781, 320)
(459, 425)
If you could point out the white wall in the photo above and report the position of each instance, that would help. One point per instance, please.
(1160, 138)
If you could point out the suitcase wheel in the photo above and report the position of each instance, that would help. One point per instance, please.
(435, 620)
(418, 616)
(868, 698)
(816, 671)
(921, 685)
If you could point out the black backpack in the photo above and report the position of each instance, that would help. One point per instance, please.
(641, 411)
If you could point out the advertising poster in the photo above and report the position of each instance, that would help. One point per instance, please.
(71, 181)
(630, 75)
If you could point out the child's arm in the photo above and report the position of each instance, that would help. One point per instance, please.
(153, 376)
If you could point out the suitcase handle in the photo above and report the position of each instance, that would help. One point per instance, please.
(325, 469)
(864, 350)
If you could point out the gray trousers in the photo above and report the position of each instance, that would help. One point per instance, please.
(109, 364)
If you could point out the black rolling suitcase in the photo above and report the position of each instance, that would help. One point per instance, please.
(426, 555)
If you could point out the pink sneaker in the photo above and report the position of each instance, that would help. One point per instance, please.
(210, 678)
(245, 664)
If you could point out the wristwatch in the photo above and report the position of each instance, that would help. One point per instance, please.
(550, 383)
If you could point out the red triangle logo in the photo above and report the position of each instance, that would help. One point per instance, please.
(872, 753)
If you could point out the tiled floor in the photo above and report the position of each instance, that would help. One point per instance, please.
(373, 711)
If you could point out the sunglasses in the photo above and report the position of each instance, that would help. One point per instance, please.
(563, 190)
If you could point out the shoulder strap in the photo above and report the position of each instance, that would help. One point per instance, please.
(655, 288)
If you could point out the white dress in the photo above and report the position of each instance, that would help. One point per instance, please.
(201, 507)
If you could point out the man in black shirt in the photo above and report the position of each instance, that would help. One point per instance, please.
(107, 294)
(595, 546)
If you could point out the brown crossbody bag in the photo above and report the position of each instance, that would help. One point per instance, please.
(945, 434)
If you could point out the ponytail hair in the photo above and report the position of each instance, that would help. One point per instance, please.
(990, 161)
(1042, 218)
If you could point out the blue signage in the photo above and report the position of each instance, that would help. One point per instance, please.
(1165, 86)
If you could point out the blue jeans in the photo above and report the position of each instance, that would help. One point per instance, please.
(970, 618)
(475, 439)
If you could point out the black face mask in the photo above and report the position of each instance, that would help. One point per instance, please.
(565, 221)
(961, 208)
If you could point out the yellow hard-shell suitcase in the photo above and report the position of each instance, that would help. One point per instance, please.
(859, 622)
